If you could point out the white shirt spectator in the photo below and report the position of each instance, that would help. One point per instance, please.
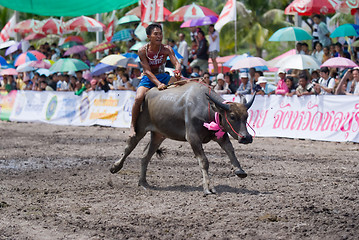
(329, 83)
(214, 45)
(183, 50)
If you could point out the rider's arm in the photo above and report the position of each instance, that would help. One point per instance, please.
(175, 62)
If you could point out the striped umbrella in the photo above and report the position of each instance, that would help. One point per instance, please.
(103, 46)
(26, 26)
(188, 12)
(84, 24)
(23, 58)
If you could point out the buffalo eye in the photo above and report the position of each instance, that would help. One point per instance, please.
(232, 117)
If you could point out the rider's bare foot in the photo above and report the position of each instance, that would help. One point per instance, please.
(132, 131)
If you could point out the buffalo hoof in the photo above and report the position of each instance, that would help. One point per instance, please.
(115, 168)
(144, 184)
(240, 173)
(209, 192)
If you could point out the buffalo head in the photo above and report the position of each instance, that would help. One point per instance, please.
(233, 117)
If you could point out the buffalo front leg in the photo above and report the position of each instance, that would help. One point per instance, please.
(203, 163)
(227, 146)
(155, 142)
(131, 144)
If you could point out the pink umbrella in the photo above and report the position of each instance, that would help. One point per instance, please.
(339, 62)
(188, 12)
(249, 63)
(23, 58)
(34, 36)
(50, 26)
(207, 20)
(9, 71)
(40, 64)
(84, 24)
(26, 26)
(75, 49)
(38, 55)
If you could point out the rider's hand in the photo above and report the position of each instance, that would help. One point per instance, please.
(177, 74)
(161, 86)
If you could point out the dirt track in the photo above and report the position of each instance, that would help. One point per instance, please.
(56, 184)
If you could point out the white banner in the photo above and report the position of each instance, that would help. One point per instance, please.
(327, 118)
(227, 15)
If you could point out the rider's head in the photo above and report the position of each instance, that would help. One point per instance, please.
(154, 33)
(151, 27)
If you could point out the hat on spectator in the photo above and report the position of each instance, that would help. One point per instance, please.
(220, 76)
(281, 71)
(93, 82)
(194, 75)
(244, 75)
(261, 80)
(111, 76)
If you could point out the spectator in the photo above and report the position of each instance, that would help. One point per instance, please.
(195, 72)
(289, 81)
(136, 77)
(125, 83)
(20, 85)
(9, 83)
(193, 51)
(281, 75)
(323, 32)
(354, 88)
(221, 87)
(183, 50)
(201, 58)
(43, 84)
(315, 34)
(298, 48)
(193, 34)
(228, 79)
(72, 83)
(257, 75)
(93, 86)
(245, 87)
(213, 47)
(103, 83)
(340, 52)
(304, 87)
(266, 89)
(252, 72)
(326, 84)
(206, 79)
(326, 54)
(315, 77)
(282, 88)
(318, 52)
(79, 76)
(112, 83)
(332, 50)
(305, 49)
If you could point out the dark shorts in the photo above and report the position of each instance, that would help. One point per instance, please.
(162, 77)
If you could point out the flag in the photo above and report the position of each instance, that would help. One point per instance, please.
(110, 29)
(146, 8)
(8, 30)
(159, 11)
(227, 15)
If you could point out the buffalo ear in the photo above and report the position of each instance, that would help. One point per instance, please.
(216, 104)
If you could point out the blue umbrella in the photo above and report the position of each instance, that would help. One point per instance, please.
(102, 68)
(345, 30)
(231, 61)
(290, 34)
(130, 55)
(123, 35)
(3, 61)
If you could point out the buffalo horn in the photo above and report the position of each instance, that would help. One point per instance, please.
(218, 103)
(249, 104)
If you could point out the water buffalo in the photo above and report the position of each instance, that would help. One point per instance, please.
(180, 113)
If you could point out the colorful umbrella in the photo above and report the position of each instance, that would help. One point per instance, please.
(3, 61)
(137, 46)
(75, 49)
(13, 48)
(348, 6)
(50, 26)
(112, 59)
(23, 58)
(34, 36)
(339, 62)
(298, 61)
(123, 35)
(290, 34)
(102, 68)
(188, 12)
(69, 44)
(207, 20)
(345, 30)
(103, 46)
(9, 71)
(84, 24)
(77, 39)
(38, 55)
(128, 19)
(26, 26)
(68, 64)
(249, 62)
(40, 64)
(137, 12)
(127, 62)
(25, 67)
(310, 7)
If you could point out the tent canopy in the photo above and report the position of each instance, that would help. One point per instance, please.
(66, 7)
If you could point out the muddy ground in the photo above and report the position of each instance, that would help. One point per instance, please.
(55, 184)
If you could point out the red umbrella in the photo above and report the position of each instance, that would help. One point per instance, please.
(188, 12)
(34, 36)
(84, 24)
(37, 54)
(26, 26)
(50, 26)
(307, 8)
(77, 39)
(348, 6)
(103, 46)
(137, 11)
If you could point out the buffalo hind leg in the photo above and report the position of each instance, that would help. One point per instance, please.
(131, 144)
(155, 142)
(227, 146)
(203, 163)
